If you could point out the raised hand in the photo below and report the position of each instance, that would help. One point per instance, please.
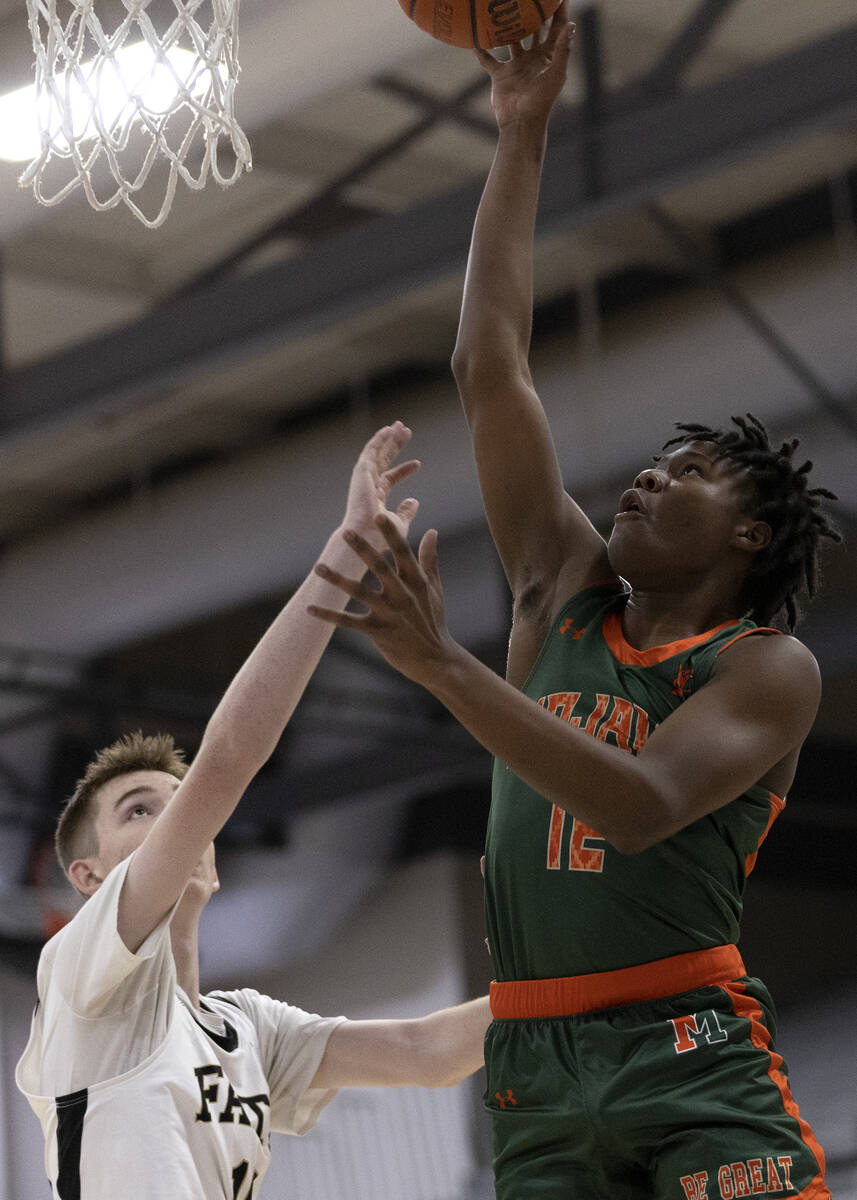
(526, 85)
(404, 610)
(372, 480)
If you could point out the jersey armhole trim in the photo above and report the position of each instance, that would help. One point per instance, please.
(766, 630)
(777, 804)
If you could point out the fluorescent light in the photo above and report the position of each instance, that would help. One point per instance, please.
(135, 72)
(19, 128)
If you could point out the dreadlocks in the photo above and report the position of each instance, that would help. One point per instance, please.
(788, 567)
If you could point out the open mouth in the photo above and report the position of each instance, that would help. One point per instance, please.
(630, 502)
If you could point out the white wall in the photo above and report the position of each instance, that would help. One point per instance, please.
(22, 1174)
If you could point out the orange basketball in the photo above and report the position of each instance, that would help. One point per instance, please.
(484, 23)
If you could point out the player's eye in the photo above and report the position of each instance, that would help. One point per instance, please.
(691, 466)
(138, 810)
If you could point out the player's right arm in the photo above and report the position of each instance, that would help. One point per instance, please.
(541, 534)
(249, 720)
(439, 1050)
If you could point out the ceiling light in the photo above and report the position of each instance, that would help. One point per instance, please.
(136, 79)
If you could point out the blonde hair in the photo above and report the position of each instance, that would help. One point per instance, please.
(75, 835)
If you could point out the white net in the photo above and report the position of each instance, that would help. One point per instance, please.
(124, 111)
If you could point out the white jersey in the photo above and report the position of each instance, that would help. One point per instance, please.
(141, 1094)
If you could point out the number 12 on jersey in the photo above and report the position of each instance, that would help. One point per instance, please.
(582, 855)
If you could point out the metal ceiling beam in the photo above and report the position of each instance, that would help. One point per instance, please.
(592, 61)
(709, 271)
(445, 108)
(642, 151)
(290, 222)
(93, 694)
(419, 763)
(687, 44)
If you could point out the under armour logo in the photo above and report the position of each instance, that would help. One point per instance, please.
(568, 625)
(507, 1099)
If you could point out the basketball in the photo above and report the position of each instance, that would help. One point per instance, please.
(479, 23)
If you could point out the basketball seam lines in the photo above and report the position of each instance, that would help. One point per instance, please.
(473, 25)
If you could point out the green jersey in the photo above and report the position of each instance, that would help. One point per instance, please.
(559, 899)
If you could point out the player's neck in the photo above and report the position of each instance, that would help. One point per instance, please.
(658, 618)
(184, 936)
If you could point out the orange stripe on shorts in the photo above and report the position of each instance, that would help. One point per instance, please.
(746, 1006)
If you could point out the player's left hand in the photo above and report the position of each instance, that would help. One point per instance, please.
(404, 610)
(374, 476)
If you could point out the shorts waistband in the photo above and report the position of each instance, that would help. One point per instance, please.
(532, 998)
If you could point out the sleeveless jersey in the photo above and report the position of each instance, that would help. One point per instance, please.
(560, 900)
(139, 1092)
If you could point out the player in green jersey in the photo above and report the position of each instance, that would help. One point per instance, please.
(645, 739)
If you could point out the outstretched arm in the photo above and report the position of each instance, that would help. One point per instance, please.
(434, 1051)
(750, 718)
(539, 531)
(250, 718)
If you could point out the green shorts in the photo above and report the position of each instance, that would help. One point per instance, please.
(681, 1097)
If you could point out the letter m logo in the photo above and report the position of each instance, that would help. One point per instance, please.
(694, 1029)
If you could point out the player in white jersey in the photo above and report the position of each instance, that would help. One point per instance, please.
(143, 1086)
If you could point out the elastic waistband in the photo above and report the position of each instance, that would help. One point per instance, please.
(528, 998)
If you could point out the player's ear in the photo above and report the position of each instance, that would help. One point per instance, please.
(83, 876)
(753, 536)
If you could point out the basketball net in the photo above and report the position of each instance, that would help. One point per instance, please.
(112, 105)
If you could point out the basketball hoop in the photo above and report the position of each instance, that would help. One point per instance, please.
(115, 109)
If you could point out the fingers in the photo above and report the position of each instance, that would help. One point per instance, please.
(386, 443)
(556, 32)
(428, 556)
(390, 576)
(343, 620)
(402, 552)
(396, 474)
(561, 17)
(377, 602)
(357, 589)
(405, 575)
(398, 431)
(407, 510)
(399, 435)
(560, 28)
(487, 61)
